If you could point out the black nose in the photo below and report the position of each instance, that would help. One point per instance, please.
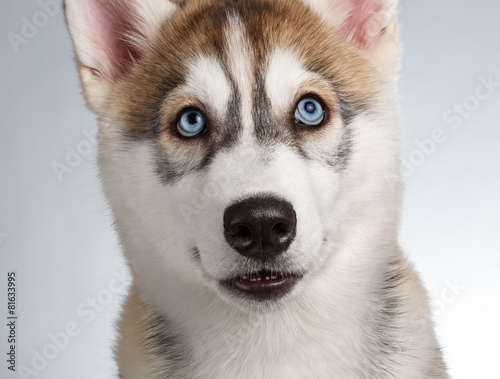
(260, 227)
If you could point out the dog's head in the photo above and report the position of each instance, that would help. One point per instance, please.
(239, 137)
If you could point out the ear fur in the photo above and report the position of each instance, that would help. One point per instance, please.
(370, 25)
(109, 36)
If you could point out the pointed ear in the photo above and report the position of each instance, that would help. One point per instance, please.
(370, 25)
(109, 36)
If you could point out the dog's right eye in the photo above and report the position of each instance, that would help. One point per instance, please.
(191, 123)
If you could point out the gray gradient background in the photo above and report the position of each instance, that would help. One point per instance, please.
(58, 235)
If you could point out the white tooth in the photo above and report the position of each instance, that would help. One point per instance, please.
(267, 277)
(273, 277)
(259, 278)
(253, 279)
(244, 277)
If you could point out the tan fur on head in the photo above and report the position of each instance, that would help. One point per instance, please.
(100, 53)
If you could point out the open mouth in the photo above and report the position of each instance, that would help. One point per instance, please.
(262, 285)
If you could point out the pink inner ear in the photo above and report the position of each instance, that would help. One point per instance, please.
(113, 24)
(355, 16)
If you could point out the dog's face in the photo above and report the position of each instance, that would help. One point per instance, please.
(239, 137)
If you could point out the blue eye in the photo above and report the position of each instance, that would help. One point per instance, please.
(191, 123)
(309, 112)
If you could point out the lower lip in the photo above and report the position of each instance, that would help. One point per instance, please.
(262, 286)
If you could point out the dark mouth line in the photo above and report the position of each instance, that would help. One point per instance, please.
(263, 276)
(262, 285)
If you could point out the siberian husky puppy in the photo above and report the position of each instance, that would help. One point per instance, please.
(249, 150)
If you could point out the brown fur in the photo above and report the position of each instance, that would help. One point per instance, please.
(163, 67)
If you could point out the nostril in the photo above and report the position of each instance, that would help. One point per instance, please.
(242, 233)
(281, 229)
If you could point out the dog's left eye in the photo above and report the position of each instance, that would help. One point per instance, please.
(309, 112)
(191, 123)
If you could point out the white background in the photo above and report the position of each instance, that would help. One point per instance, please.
(57, 234)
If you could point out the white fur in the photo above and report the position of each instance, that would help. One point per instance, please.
(309, 336)
(311, 333)
(207, 82)
(241, 66)
(284, 76)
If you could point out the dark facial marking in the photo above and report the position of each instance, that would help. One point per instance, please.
(384, 328)
(163, 344)
(268, 130)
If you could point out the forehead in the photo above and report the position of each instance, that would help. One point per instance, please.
(222, 51)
